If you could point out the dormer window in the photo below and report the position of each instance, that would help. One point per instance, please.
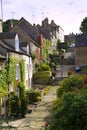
(16, 43)
(27, 49)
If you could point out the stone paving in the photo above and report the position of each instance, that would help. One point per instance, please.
(39, 116)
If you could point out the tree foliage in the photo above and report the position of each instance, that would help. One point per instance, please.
(73, 84)
(62, 46)
(7, 24)
(70, 108)
(83, 26)
(72, 114)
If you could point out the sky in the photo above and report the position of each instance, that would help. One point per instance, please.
(68, 14)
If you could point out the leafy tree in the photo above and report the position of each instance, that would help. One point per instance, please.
(72, 114)
(71, 84)
(7, 24)
(83, 26)
(70, 108)
(62, 46)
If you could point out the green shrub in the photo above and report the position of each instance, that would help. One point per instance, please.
(31, 90)
(13, 105)
(70, 108)
(34, 96)
(72, 114)
(37, 96)
(41, 77)
(84, 69)
(70, 84)
(70, 72)
(45, 91)
(53, 65)
(36, 66)
(44, 67)
(23, 99)
(56, 103)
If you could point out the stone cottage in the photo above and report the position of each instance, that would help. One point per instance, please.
(10, 48)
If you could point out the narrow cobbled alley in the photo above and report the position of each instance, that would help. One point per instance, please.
(39, 116)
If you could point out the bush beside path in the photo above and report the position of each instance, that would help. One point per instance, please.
(39, 116)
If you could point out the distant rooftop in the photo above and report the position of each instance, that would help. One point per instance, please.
(81, 40)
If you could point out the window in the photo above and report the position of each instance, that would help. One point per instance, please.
(16, 43)
(17, 72)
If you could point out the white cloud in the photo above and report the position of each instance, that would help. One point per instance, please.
(66, 13)
(69, 2)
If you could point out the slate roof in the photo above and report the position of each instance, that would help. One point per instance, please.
(54, 25)
(69, 38)
(3, 51)
(46, 32)
(81, 40)
(7, 35)
(27, 31)
(23, 44)
(7, 39)
(7, 45)
(48, 29)
(4, 45)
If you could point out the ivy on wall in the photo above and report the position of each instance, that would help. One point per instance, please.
(21, 86)
(11, 70)
(8, 75)
(45, 48)
(34, 56)
(22, 70)
(3, 84)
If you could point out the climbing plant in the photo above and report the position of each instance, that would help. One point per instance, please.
(11, 70)
(23, 100)
(34, 56)
(45, 48)
(22, 70)
(3, 83)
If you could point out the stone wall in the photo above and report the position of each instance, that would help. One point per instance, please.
(81, 56)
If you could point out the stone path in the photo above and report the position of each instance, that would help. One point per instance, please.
(40, 115)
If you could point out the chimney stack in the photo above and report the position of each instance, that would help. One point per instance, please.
(45, 23)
